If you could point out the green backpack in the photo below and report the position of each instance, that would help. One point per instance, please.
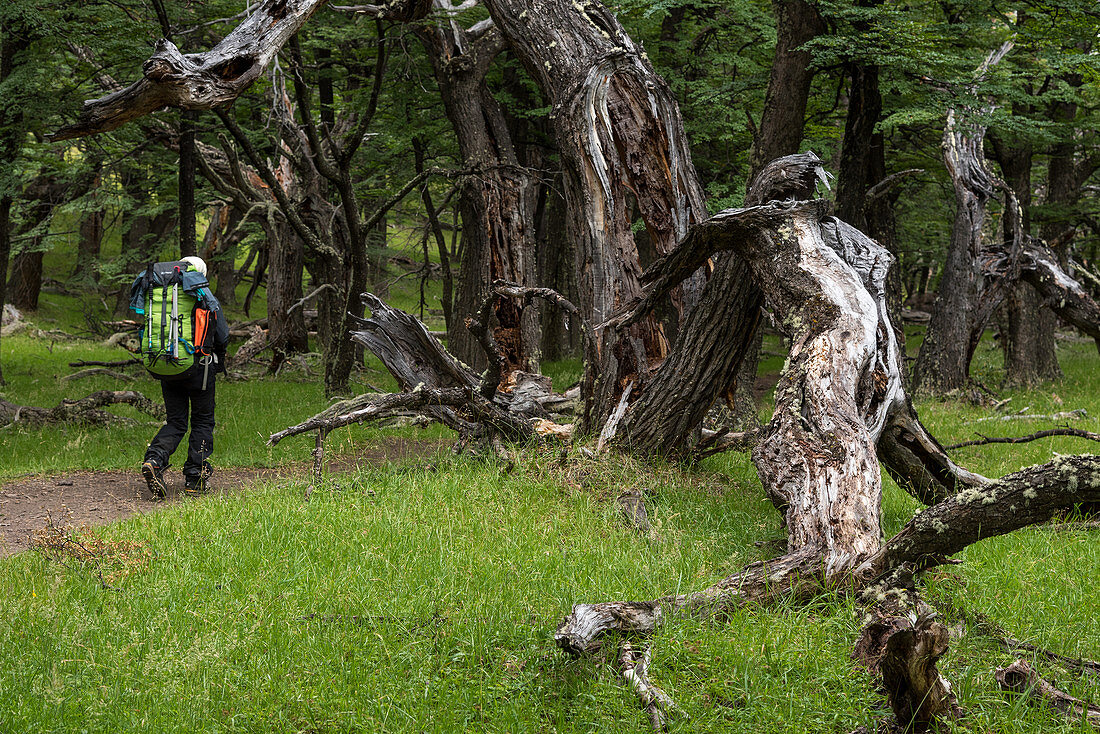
(177, 338)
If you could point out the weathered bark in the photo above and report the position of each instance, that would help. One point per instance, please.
(665, 419)
(287, 329)
(944, 360)
(622, 144)
(1065, 296)
(219, 248)
(560, 338)
(497, 203)
(942, 364)
(198, 81)
(902, 642)
(840, 391)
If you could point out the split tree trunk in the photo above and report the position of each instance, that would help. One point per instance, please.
(497, 202)
(622, 143)
(944, 360)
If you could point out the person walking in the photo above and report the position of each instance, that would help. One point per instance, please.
(185, 351)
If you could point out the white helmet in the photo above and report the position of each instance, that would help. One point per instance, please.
(196, 263)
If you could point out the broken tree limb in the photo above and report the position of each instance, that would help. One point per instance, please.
(198, 81)
(902, 642)
(1027, 497)
(1019, 677)
(96, 363)
(1063, 294)
(984, 440)
(86, 410)
(370, 407)
(1064, 415)
(656, 703)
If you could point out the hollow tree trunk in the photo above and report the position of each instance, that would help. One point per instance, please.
(497, 204)
(621, 138)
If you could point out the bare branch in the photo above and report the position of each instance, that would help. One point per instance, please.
(984, 440)
(199, 81)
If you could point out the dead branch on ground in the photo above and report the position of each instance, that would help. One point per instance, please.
(983, 440)
(86, 410)
(1023, 679)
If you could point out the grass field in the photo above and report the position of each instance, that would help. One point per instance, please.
(411, 597)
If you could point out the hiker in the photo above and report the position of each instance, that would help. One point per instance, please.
(183, 344)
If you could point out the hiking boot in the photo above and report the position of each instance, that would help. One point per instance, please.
(154, 477)
(196, 486)
(200, 484)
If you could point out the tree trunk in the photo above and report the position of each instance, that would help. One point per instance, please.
(13, 41)
(186, 183)
(91, 227)
(944, 360)
(784, 118)
(943, 363)
(286, 329)
(560, 334)
(26, 280)
(621, 140)
(1022, 338)
(219, 249)
(497, 204)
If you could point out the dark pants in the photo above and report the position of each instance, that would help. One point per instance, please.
(180, 398)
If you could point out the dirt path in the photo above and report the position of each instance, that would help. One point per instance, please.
(80, 498)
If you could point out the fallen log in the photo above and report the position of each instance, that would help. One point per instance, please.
(86, 410)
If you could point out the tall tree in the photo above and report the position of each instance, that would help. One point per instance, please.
(498, 196)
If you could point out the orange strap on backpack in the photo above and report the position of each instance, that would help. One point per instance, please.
(203, 317)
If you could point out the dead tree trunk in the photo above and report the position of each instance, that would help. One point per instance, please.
(944, 360)
(839, 394)
(497, 201)
(621, 140)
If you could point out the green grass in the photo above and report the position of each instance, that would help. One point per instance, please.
(405, 599)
